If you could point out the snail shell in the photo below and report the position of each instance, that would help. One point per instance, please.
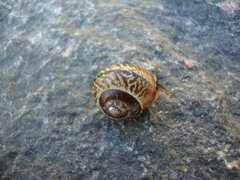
(123, 91)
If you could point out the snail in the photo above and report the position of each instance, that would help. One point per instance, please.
(124, 91)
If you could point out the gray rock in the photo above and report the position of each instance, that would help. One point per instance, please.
(50, 53)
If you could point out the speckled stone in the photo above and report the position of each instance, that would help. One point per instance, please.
(50, 52)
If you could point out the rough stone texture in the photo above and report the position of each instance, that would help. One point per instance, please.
(50, 52)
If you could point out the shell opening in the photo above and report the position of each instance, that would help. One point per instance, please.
(116, 109)
(119, 104)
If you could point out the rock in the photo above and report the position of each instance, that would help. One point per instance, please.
(51, 51)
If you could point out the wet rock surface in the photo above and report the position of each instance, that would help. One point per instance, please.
(50, 54)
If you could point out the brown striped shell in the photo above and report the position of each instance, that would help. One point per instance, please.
(123, 91)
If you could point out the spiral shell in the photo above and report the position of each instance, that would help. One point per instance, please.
(123, 91)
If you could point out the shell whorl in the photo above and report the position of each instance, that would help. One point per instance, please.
(118, 85)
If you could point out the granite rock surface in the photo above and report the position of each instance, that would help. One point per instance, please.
(50, 53)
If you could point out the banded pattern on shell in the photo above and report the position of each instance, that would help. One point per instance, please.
(123, 91)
